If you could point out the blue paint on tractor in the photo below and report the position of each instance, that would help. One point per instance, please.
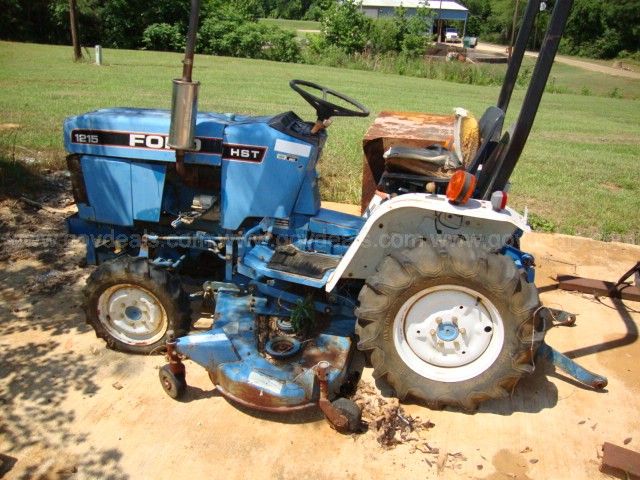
(447, 332)
(121, 191)
(570, 367)
(522, 260)
(266, 171)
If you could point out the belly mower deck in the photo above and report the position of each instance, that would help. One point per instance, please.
(229, 352)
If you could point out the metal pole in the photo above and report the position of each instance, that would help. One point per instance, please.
(464, 28)
(534, 92)
(513, 29)
(184, 102)
(515, 62)
(73, 20)
(190, 49)
(440, 22)
(98, 55)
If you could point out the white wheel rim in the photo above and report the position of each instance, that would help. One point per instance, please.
(448, 333)
(132, 314)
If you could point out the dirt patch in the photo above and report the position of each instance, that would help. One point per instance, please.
(511, 465)
(33, 227)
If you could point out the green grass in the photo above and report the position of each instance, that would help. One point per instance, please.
(579, 172)
(292, 24)
(576, 79)
(568, 79)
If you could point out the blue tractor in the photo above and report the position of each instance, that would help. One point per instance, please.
(429, 282)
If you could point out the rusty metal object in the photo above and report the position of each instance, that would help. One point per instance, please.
(620, 461)
(400, 128)
(599, 287)
(635, 271)
(269, 403)
(175, 362)
(556, 318)
(302, 373)
(334, 416)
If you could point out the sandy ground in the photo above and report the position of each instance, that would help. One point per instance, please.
(71, 408)
(584, 64)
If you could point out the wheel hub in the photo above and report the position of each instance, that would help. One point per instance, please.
(132, 314)
(448, 333)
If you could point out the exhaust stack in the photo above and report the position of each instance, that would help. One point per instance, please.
(184, 104)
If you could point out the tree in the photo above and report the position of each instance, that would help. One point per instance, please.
(345, 26)
(73, 22)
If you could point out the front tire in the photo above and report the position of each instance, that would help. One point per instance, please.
(172, 384)
(449, 324)
(133, 305)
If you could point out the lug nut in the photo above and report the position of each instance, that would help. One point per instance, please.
(462, 331)
(433, 332)
(438, 320)
(455, 320)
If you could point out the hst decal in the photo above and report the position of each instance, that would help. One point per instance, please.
(244, 153)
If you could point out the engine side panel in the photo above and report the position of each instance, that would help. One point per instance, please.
(263, 173)
(120, 191)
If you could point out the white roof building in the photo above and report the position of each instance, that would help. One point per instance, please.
(444, 9)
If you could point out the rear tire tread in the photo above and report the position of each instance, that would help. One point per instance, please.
(426, 262)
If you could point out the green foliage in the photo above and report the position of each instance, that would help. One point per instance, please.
(346, 27)
(232, 35)
(540, 224)
(415, 31)
(233, 11)
(303, 316)
(598, 29)
(317, 10)
(404, 64)
(124, 21)
(162, 36)
(384, 36)
(601, 29)
(615, 93)
(282, 45)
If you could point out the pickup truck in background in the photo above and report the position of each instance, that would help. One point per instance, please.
(451, 35)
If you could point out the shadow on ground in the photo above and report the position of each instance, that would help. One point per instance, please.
(40, 296)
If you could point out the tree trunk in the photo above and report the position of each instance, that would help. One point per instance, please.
(73, 21)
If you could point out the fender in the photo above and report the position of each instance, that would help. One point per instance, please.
(403, 221)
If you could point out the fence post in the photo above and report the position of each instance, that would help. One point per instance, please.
(98, 54)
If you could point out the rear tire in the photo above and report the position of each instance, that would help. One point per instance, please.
(133, 305)
(408, 322)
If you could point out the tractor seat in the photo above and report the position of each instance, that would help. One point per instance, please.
(437, 162)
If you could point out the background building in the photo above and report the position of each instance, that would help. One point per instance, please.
(444, 10)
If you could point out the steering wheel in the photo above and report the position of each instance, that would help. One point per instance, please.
(324, 108)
